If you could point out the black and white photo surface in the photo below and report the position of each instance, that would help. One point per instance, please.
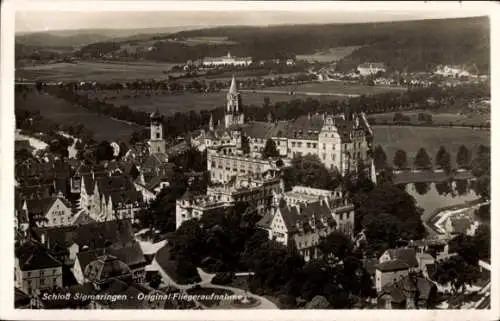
(224, 156)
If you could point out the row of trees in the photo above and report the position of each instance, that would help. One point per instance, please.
(422, 159)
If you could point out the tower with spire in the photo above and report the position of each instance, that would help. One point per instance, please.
(156, 140)
(211, 123)
(234, 114)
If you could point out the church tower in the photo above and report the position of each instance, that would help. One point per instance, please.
(156, 141)
(234, 114)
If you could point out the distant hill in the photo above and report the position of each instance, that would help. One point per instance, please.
(414, 45)
(81, 37)
(402, 45)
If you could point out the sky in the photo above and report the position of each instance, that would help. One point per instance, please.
(46, 16)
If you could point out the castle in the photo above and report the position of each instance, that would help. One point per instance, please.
(342, 142)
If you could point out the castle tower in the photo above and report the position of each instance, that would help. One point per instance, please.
(211, 123)
(156, 141)
(234, 114)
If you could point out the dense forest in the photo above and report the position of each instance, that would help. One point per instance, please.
(415, 45)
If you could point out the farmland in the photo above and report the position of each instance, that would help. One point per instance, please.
(170, 104)
(333, 87)
(63, 113)
(95, 71)
(411, 139)
(196, 41)
(456, 119)
(328, 55)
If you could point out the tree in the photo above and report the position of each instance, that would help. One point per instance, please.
(103, 151)
(444, 188)
(318, 302)
(457, 272)
(422, 160)
(393, 201)
(463, 157)
(422, 188)
(270, 149)
(400, 159)
(308, 170)
(465, 246)
(443, 159)
(483, 213)
(336, 244)
(481, 169)
(379, 157)
(482, 241)
(382, 231)
(245, 144)
(461, 186)
(267, 102)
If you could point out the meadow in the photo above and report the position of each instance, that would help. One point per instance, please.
(170, 104)
(63, 113)
(439, 118)
(329, 55)
(195, 41)
(96, 71)
(411, 139)
(337, 87)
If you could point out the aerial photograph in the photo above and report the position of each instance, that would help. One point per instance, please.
(206, 160)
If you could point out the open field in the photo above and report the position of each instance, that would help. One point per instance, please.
(194, 41)
(411, 139)
(328, 55)
(170, 104)
(455, 119)
(334, 87)
(63, 113)
(95, 71)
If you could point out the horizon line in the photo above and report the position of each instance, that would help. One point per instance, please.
(206, 26)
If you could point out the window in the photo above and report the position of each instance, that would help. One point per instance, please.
(157, 135)
(42, 281)
(308, 145)
(324, 146)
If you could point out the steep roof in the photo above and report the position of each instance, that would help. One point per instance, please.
(105, 267)
(43, 205)
(82, 218)
(398, 290)
(265, 130)
(21, 298)
(290, 217)
(233, 89)
(393, 265)
(406, 254)
(266, 220)
(33, 256)
(94, 235)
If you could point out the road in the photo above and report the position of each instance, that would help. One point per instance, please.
(206, 280)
